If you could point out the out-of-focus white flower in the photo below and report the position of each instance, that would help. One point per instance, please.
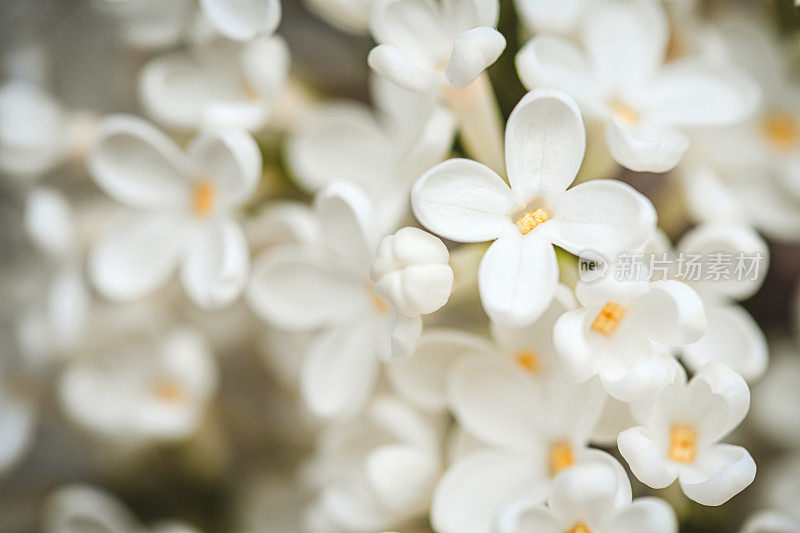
(614, 335)
(776, 395)
(426, 45)
(620, 80)
(18, 414)
(222, 85)
(377, 471)
(326, 284)
(137, 393)
(679, 434)
(243, 20)
(467, 202)
(552, 16)
(78, 508)
(347, 15)
(188, 201)
(383, 151)
(585, 498)
(412, 274)
(770, 521)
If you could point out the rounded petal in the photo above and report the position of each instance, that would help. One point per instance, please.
(721, 473)
(463, 201)
(584, 493)
(646, 148)
(217, 264)
(727, 408)
(473, 489)
(525, 516)
(387, 60)
(86, 507)
(17, 423)
(545, 143)
(346, 220)
(473, 52)
(405, 335)
(339, 371)
(244, 19)
(517, 279)
(49, 221)
(575, 353)
(645, 457)
(670, 313)
(771, 521)
(629, 378)
(403, 477)
(605, 216)
(135, 255)
(421, 378)
(645, 514)
(136, 164)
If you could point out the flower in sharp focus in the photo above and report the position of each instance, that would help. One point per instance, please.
(185, 205)
(411, 273)
(467, 202)
(424, 45)
(620, 79)
(585, 499)
(679, 436)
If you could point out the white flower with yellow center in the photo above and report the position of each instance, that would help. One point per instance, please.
(467, 202)
(621, 79)
(185, 204)
(614, 335)
(324, 286)
(585, 499)
(680, 432)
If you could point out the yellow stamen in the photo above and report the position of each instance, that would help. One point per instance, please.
(169, 391)
(528, 360)
(624, 112)
(531, 219)
(561, 457)
(782, 131)
(580, 527)
(682, 443)
(608, 318)
(204, 197)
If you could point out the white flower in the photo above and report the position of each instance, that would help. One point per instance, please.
(411, 273)
(552, 16)
(679, 434)
(620, 80)
(584, 499)
(770, 521)
(347, 15)
(429, 44)
(137, 392)
(186, 202)
(325, 286)
(465, 201)
(377, 471)
(614, 335)
(223, 85)
(77, 508)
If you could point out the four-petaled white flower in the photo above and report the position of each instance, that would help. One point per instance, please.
(621, 81)
(186, 203)
(425, 45)
(465, 201)
(679, 434)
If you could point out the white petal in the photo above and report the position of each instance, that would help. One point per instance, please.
(473, 52)
(413, 26)
(545, 143)
(17, 424)
(473, 489)
(464, 201)
(347, 226)
(721, 473)
(601, 215)
(351, 16)
(517, 278)
(551, 16)
(575, 352)
(646, 148)
(626, 41)
(265, 66)
(138, 165)
(389, 61)
(421, 378)
(638, 370)
(527, 517)
(770, 521)
(494, 402)
(339, 371)
(49, 221)
(615, 419)
(691, 92)
(708, 195)
(403, 477)
(645, 456)
(671, 313)
(732, 337)
(727, 408)
(135, 255)
(243, 19)
(293, 288)
(217, 264)
(232, 160)
(405, 336)
(584, 493)
(646, 514)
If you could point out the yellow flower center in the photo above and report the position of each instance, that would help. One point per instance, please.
(561, 457)
(531, 219)
(782, 131)
(608, 318)
(169, 391)
(580, 527)
(624, 112)
(682, 443)
(204, 198)
(528, 360)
